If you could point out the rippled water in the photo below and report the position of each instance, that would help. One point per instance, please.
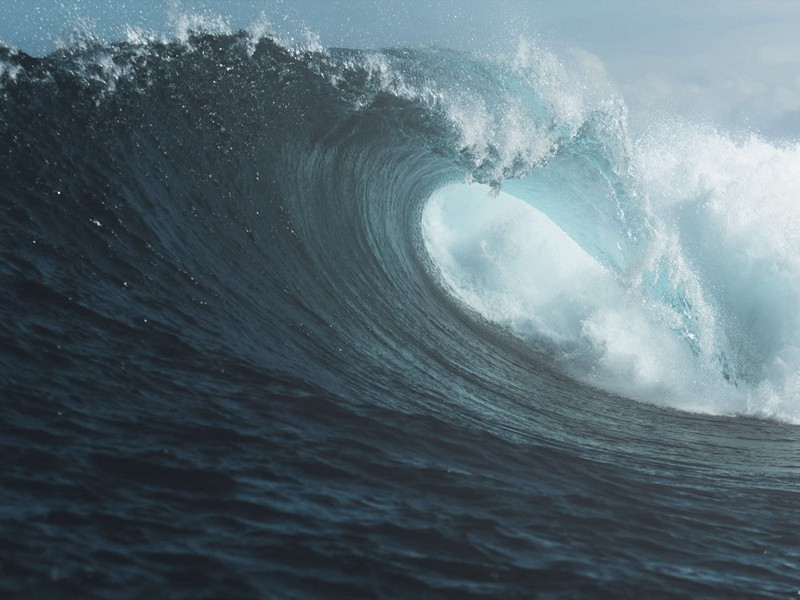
(260, 337)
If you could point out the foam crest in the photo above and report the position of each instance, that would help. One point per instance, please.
(707, 319)
(509, 115)
(666, 269)
(9, 71)
(733, 202)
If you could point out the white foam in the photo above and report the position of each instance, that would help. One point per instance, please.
(735, 203)
(9, 70)
(511, 264)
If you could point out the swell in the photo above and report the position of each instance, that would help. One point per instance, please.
(231, 366)
(195, 204)
(223, 208)
(228, 193)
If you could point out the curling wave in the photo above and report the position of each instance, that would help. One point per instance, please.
(338, 321)
(693, 306)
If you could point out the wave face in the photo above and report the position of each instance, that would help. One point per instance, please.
(298, 321)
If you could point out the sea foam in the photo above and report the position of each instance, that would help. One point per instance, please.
(704, 317)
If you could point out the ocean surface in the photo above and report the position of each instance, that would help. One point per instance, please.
(287, 321)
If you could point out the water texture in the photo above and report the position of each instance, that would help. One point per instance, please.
(289, 321)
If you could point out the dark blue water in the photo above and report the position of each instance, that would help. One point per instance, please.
(228, 367)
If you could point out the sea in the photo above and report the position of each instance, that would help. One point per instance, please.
(282, 320)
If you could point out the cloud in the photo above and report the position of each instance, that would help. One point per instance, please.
(780, 55)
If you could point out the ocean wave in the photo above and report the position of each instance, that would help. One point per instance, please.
(692, 231)
(340, 298)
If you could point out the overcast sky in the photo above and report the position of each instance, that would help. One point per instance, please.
(733, 63)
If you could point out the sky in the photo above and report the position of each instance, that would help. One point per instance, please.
(733, 64)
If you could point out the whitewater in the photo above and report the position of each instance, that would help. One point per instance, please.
(701, 316)
(288, 320)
